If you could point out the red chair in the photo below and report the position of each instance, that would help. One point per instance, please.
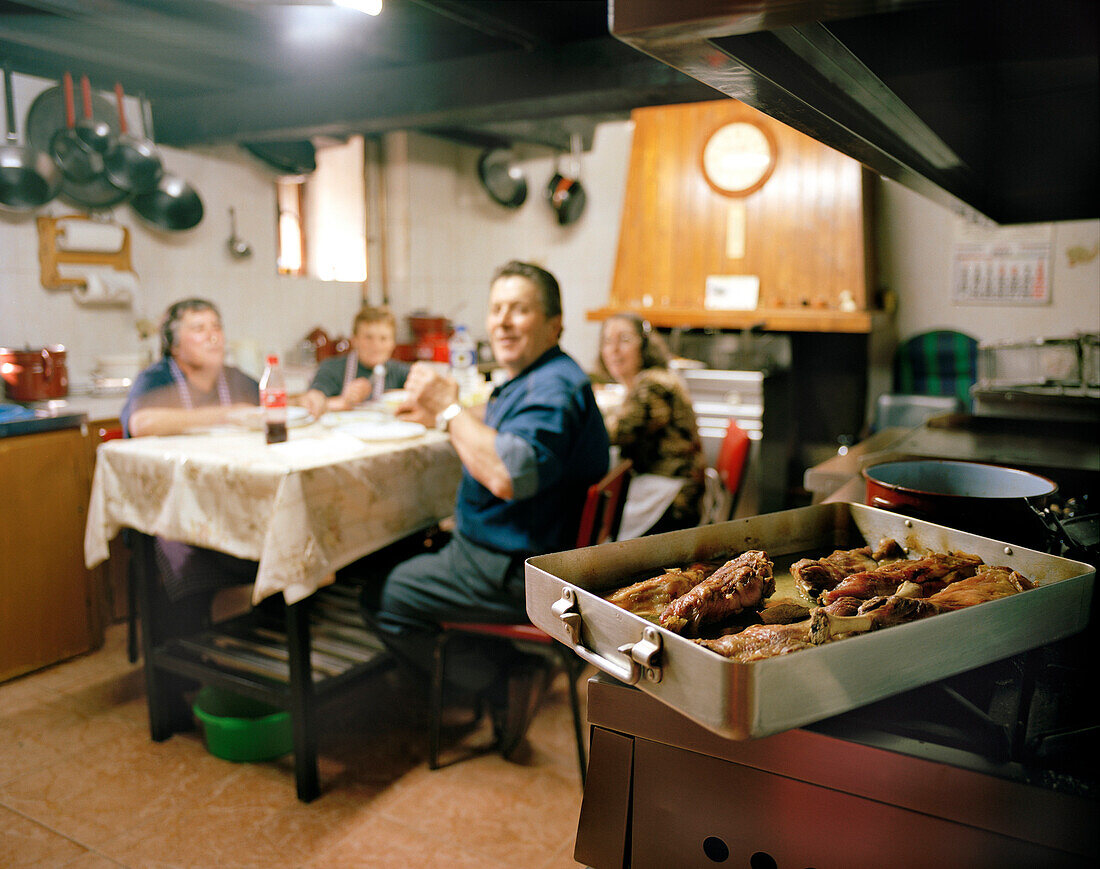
(723, 481)
(600, 520)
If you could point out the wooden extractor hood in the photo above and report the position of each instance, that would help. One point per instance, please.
(802, 229)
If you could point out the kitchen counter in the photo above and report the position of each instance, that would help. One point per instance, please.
(94, 407)
(42, 421)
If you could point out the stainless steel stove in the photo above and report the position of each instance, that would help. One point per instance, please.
(996, 767)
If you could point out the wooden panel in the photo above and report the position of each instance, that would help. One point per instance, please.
(805, 229)
(46, 609)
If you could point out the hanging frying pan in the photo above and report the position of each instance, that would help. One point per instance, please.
(567, 198)
(96, 134)
(132, 164)
(28, 177)
(71, 153)
(565, 192)
(173, 204)
(502, 177)
(46, 115)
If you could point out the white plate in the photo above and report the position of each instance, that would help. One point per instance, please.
(253, 417)
(390, 430)
(337, 418)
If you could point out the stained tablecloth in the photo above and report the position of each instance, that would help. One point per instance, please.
(301, 509)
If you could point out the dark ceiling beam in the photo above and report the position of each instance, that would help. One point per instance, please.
(469, 16)
(591, 77)
(81, 48)
(168, 33)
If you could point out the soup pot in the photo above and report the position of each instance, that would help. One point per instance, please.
(990, 500)
(35, 375)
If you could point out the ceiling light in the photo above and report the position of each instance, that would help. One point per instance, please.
(369, 7)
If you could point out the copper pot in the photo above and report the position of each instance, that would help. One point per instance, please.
(34, 374)
(989, 500)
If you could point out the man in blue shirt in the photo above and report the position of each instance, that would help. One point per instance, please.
(528, 459)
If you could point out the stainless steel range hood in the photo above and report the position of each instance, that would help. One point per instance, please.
(986, 106)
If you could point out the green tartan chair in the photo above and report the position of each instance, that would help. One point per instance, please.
(941, 362)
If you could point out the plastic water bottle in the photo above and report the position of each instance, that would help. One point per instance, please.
(273, 400)
(377, 383)
(463, 351)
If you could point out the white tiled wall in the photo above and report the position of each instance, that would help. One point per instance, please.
(257, 305)
(444, 237)
(458, 235)
(916, 239)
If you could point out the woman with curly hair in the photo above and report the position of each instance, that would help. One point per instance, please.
(655, 426)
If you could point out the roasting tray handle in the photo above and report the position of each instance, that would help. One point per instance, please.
(643, 658)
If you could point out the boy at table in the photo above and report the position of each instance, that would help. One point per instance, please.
(191, 387)
(528, 458)
(342, 382)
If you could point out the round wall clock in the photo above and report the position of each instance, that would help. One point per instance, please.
(738, 158)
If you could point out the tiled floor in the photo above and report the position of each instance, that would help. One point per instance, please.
(83, 786)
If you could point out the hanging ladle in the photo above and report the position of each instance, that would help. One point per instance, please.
(238, 247)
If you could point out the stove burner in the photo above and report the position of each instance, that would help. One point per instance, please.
(1029, 716)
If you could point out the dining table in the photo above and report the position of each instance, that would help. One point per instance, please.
(338, 489)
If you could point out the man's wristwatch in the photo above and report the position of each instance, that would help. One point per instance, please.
(443, 420)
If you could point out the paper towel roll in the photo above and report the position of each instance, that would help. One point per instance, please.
(106, 287)
(86, 235)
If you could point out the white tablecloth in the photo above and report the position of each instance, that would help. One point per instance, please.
(301, 509)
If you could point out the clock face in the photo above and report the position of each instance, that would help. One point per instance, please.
(738, 158)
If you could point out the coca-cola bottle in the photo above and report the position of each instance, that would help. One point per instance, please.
(273, 400)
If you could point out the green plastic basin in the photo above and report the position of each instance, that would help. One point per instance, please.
(241, 729)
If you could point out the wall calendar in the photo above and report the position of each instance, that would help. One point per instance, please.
(1002, 265)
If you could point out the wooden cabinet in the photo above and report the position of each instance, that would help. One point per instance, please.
(47, 596)
(111, 578)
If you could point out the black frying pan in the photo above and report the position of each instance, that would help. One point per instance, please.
(132, 163)
(567, 198)
(502, 177)
(77, 161)
(172, 204)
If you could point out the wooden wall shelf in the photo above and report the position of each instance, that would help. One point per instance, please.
(768, 319)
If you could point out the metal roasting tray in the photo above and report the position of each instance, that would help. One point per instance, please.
(749, 700)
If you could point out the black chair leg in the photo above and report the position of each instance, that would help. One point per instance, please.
(132, 610)
(435, 700)
(568, 662)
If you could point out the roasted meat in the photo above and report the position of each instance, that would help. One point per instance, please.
(649, 597)
(784, 611)
(737, 585)
(816, 575)
(931, 573)
(768, 640)
(761, 641)
(878, 612)
(989, 583)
